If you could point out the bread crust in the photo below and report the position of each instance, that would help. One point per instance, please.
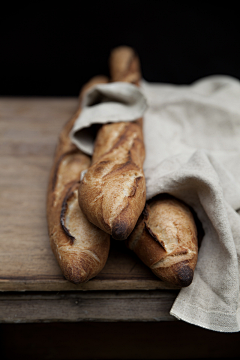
(165, 239)
(80, 248)
(112, 193)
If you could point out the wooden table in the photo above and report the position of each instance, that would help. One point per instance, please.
(32, 287)
(28, 134)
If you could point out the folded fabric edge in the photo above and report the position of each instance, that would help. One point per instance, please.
(105, 112)
(202, 318)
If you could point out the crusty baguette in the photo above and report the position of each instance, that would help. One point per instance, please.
(112, 193)
(80, 248)
(165, 239)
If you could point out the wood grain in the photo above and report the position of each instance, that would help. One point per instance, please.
(29, 128)
(87, 306)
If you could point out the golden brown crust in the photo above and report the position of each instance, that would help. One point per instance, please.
(124, 65)
(165, 239)
(112, 193)
(80, 248)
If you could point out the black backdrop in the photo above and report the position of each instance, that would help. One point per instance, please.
(52, 50)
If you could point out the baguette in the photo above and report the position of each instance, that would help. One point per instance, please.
(165, 239)
(112, 194)
(80, 248)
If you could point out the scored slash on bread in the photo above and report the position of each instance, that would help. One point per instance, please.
(80, 248)
(165, 239)
(112, 193)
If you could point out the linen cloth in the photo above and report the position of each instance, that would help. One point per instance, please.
(192, 140)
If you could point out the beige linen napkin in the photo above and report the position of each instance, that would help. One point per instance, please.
(106, 103)
(192, 138)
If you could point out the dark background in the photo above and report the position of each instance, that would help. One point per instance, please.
(52, 50)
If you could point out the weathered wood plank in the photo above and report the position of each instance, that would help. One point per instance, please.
(85, 306)
(94, 284)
